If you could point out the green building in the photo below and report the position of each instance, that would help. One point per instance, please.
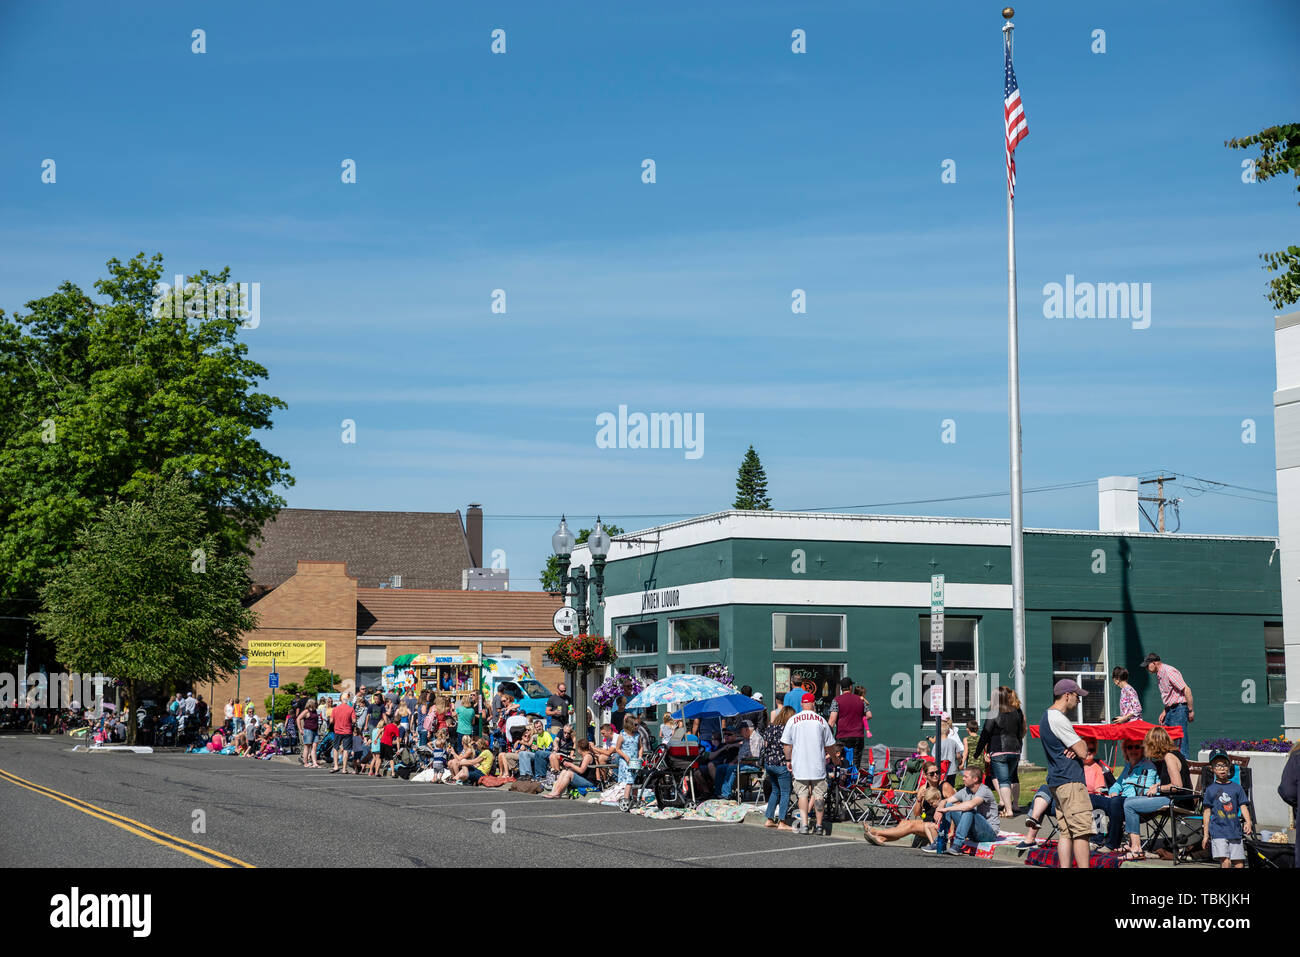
(779, 595)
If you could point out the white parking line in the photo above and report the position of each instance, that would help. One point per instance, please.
(434, 799)
(357, 786)
(435, 807)
(646, 830)
(534, 817)
(780, 850)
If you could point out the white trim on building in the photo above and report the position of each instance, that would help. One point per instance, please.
(839, 527)
(764, 591)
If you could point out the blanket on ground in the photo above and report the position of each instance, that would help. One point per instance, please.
(1045, 856)
(727, 812)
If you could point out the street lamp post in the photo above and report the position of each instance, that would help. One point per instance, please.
(562, 543)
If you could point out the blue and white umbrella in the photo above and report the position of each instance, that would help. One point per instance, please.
(679, 688)
(725, 706)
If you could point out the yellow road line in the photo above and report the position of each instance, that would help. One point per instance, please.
(205, 854)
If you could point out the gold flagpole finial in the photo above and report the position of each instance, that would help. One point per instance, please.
(1008, 13)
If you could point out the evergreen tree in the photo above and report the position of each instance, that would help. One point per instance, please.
(751, 485)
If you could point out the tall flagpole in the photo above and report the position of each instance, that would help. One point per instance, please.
(1013, 391)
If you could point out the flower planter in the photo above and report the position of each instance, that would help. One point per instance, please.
(1266, 774)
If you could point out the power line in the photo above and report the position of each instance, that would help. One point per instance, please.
(1193, 490)
(1206, 481)
(955, 498)
(825, 508)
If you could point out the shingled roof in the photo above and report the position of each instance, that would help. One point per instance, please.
(428, 549)
(394, 612)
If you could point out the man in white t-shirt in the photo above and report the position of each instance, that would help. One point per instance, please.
(807, 737)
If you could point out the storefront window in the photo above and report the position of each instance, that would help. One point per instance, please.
(1275, 663)
(808, 632)
(641, 638)
(1079, 653)
(370, 665)
(824, 677)
(694, 634)
(961, 677)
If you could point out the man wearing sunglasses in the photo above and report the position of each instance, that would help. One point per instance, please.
(971, 813)
(921, 822)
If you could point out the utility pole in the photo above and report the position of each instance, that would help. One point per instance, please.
(1159, 497)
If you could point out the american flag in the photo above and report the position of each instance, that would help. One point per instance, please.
(1017, 128)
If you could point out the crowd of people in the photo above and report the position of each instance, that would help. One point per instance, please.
(968, 787)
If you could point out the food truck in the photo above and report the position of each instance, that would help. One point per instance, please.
(452, 676)
(458, 676)
(514, 677)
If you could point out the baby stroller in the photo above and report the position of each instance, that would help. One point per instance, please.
(325, 747)
(405, 764)
(668, 774)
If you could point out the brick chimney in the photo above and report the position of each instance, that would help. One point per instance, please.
(474, 533)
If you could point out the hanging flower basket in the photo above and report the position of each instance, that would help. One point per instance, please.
(582, 652)
(720, 674)
(626, 685)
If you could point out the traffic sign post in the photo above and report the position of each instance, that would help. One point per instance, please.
(275, 683)
(936, 701)
(936, 645)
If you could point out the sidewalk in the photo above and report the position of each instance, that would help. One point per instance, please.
(1005, 854)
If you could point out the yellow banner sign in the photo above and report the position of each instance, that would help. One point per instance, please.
(287, 654)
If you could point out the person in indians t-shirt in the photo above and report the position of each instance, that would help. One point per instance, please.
(806, 738)
(344, 719)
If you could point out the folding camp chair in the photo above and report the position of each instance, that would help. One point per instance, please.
(854, 790)
(1180, 827)
(893, 803)
(749, 784)
(846, 791)
(879, 763)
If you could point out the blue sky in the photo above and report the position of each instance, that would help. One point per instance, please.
(775, 171)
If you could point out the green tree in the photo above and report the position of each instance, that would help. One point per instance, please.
(751, 484)
(1279, 153)
(319, 679)
(100, 400)
(551, 573)
(148, 595)
(283, 698)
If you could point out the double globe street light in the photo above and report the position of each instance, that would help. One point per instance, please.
(563, 542)
(577, 586)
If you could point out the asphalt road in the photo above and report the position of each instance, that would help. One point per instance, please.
(73, 809)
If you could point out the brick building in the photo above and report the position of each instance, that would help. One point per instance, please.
(326, 575)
